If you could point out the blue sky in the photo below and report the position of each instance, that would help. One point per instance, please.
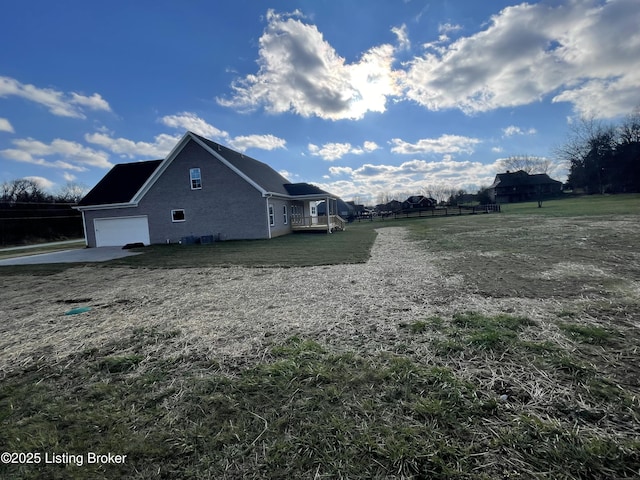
(362, 98)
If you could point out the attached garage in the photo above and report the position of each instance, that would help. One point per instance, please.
(117, 232)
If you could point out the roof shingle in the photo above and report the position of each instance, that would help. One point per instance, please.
(121, 183)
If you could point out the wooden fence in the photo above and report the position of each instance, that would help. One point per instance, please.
(434, 212)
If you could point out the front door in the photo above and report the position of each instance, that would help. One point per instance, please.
(313, 209)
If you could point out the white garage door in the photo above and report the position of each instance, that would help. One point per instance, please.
(117, 232)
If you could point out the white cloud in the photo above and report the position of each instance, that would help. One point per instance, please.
(335, 151)
(264, 142)
(5, 126)
(67, 155)
(43, 183)
(403, 36)
(190, 121)
(69, 177)
(159, 148)
(444, 144)
(59, 103)
(512, 130)
(585, 53)
(301, 72)
(94, 102)
(369, 146)
(410, 178)
(446, 28)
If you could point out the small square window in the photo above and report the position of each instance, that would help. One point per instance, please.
(177, 215)
(196, 179)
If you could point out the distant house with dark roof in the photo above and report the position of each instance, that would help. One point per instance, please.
(418, 202)
(201, 190)
(520, 186)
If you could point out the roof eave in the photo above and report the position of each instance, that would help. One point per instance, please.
(107, 206)
(311, 196)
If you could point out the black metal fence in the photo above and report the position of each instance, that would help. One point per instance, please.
(29, 222)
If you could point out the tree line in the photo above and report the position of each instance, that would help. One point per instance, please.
(603, 158)
(28, 214)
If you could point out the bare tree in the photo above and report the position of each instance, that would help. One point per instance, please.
(71, 192)
(22, 190)
(526, 163)
(629, 131)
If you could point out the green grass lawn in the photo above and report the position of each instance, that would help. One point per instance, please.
(576, 206)
(295, 250)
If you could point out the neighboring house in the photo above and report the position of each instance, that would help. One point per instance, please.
(393, 206)
(358, 209)
(418, 202)
(200, 191)
(520, 186)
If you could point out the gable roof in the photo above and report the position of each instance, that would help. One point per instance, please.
(260, 173)
(121, 183)
(125, 184)
(519, 178)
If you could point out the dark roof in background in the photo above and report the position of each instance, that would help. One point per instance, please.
(304, 189)
(121, 183)
(514, 179)
(259, 172)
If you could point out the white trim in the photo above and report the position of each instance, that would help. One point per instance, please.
(192, 178)
(184, 216)
(238, 172)
(161, 168)
(267, 217)
(272, 215)
(84, 230)
(108, 206)
(285, 214)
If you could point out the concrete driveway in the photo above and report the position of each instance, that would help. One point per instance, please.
(77, 255)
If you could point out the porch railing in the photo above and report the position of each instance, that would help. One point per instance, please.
(333, 222)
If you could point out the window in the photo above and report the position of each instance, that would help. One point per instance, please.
(196, 179)
(177, 215)
(272, 217)
(284, 214)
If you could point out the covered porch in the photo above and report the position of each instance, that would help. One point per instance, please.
(305, 217)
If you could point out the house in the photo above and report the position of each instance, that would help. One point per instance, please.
(393, 206)
(418, 202)
(520, 186)
(201, 191)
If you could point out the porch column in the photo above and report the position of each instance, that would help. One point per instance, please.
(326, 203)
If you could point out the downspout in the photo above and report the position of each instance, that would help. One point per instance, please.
(267, 197)
(84, 228)
(328, 205)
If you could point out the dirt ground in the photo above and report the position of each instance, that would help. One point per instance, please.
(234, 314)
